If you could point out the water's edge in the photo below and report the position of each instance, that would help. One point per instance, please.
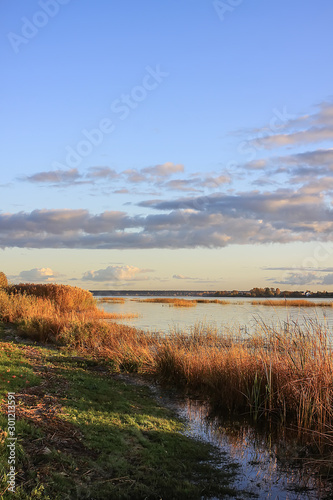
(261, 473)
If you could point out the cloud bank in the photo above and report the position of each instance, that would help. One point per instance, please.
(220, 219)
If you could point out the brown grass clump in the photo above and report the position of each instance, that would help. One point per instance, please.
(171, 302)
(157, 301)
(112, 300)
(213, 301)
(64, 297)
(183, 303)
(292, 303)
(43, 312)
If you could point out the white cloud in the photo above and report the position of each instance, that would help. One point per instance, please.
(115, 273)
(38, 274)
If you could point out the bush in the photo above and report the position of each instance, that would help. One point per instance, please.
(3, 280)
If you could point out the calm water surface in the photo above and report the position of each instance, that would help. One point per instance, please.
(264, 468)
(262, 459)
(239, 314)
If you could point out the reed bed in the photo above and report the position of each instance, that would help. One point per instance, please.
(213, 301)
(292, 303)
(43, 312)
(112, 300)
(285, 374)
(172, 302)
(64, 297)
(183, 302)
(122, 315)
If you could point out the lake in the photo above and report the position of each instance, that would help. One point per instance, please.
(266, 457)
(240, 314)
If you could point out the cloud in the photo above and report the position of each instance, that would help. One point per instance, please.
(284, 208)
(156, 176)
(303, 275)
(310, 128)
(115, 273)
(181, 185)
(302, 166)
(303, 268)
(37, 275)
(67, 177)
(164, 170)
(134, 176)
(102, 173)
(298, 279)
(182, 277)
(216, 220)
(328, 279)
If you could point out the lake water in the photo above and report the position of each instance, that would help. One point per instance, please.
(263, 460)
(240, 314)
(265, 470)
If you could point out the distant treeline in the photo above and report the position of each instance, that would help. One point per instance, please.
(254, 292)
(272, 292)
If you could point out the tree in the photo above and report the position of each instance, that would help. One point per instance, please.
(3, 280)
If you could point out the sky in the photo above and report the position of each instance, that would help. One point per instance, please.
(167, 145)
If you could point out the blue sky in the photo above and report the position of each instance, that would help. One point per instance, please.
(167, 145)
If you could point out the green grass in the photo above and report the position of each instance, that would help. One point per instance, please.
(109, 439)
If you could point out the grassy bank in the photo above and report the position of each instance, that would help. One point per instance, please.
(84, 433)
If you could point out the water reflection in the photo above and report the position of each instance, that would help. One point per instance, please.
(268, 468)
(265, 467)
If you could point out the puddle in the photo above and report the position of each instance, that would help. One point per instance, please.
(264, 471)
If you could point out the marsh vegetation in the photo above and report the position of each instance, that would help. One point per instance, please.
(281, 376)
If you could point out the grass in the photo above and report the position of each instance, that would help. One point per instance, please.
(83, 433)
(183, 302)
(285, 374)
(292, 303)
(171, 302)
(114, 300)
(46, 313)
(122, 315)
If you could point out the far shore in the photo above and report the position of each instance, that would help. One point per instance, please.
(258, 293)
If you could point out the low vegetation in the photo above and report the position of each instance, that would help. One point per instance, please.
(112, 300)
(171, 302)
(283, 375)
(84, 433)
(292, 303)
(3, 280)
(182, 302)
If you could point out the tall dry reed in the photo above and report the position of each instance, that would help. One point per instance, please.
(292, 303)
(285, 373)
